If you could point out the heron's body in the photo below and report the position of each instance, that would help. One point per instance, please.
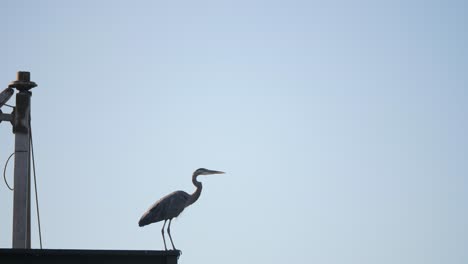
(171, 205)
(165, 208)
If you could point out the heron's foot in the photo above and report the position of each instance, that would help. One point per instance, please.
(177, 250)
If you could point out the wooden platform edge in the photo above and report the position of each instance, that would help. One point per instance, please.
(89, 256)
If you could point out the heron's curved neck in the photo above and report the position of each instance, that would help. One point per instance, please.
(194, 197)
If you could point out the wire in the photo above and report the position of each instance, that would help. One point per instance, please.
(35, 181)
(35, 184)
(4, 171)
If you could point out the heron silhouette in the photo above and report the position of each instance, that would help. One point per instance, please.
(173, 204)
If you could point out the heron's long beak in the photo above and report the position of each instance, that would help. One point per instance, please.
(208, 172)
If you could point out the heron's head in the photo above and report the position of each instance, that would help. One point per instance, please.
(203, 171)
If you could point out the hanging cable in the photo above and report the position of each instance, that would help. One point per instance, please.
(4, 171)
(35, 185)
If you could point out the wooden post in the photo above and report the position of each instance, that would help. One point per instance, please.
(22, 190)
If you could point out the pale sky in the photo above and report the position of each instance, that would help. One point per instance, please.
(342, 126)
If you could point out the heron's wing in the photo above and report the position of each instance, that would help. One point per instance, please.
(170, 202)
(168, 207)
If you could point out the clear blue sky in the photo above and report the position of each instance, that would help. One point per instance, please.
(342, 126)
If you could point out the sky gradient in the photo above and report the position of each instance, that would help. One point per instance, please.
(341, 126)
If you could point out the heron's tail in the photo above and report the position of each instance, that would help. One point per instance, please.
(144, 220)
(149, 217)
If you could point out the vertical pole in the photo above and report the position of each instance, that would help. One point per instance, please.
(21, 197)
(22, 190)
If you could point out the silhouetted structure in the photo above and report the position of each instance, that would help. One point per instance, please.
(21, 238)
(65, 256)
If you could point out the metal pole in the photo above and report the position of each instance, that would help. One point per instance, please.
(22, 190)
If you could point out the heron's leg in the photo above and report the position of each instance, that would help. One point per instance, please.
(162, 232)
(169, 232)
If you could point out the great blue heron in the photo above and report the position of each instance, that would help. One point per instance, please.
(173, 204)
